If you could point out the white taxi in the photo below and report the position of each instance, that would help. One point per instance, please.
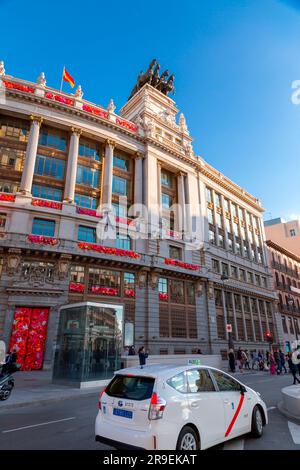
(166, 407)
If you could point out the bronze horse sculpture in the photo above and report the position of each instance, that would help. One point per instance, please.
(152, 77)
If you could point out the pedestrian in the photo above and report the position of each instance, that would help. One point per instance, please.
(240, 359)
(272, 364)
(246, 359)
(199, 351)
(277, 360)
(282, 361)
(231, 359)
(126, 351)
(131, 351)
(293, 368)
(142, 356)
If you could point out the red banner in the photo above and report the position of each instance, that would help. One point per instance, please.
(29, 336)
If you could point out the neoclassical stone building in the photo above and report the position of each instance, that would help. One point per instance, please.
(60, 157)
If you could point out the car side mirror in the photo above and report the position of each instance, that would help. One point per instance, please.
(243, 389)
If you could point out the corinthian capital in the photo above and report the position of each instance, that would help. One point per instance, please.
(36, 119)
(76, 130)
(110, 142)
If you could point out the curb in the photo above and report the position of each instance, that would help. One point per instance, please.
(288, 415)
(45, 401)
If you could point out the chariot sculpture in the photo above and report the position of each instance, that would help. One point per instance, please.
(164, 82)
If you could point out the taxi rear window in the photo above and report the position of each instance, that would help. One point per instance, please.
(130, 387)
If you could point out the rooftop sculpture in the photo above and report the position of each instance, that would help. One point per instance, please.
(162, 83)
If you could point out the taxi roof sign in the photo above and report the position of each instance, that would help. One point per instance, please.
(194, 362)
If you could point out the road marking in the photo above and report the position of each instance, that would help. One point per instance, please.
(235, 444)
(295, 432)
(36, 425)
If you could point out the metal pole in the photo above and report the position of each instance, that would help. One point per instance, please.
(62, 78)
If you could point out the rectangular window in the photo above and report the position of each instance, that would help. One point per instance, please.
(123, 242)
(217, 200)
(166, 200)
(215, 266)
(77, 274)
(250, 277)
(89, 150)
(8, 187)
(226, 205)
(163, 285)
(234, 272)
(218, 298)
(119, 211)
(211, 236)
(221, 239)
(238, 248)
(175, 252)
(190, 291)
(43, 227)
(104, 278)
(237, 302)
(49, 166)
(3, 218)
(119, 186)
(46, 192)
(18, 130)
(11, 159)
(264, 282)
(52, 138)
(86, 234)
(210, 216)
(241, 213)
(177, 291)
(85, 201)
(257, 279)
(87, 176)
(121, 162)
(225, 271)
(219, 220)
(165, 178)
(243, 275)
(208, 195)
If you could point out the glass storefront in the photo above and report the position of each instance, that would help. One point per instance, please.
(89, 342)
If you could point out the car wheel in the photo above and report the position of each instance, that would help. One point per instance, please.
(188, 439)
(5, 393)
(257, 422)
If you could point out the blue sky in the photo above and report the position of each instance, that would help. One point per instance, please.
(234, 62)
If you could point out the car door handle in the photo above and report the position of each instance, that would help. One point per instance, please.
(226, 401)
(194, 404)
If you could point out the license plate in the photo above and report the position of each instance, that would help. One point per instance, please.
(123, 413)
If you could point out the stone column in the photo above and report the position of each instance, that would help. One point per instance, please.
(159, 184)
(181, 202)
(224, 222)
(70, 181)
(259, 320)
(234, 317)
(188, 213)
(243, 318)
(138, 178)
(252, 320)
(108, 172)
(225, 313)
(30, 157)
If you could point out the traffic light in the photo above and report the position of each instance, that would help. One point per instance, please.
(269, 337)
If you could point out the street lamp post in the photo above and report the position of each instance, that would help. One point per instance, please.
(290, 301)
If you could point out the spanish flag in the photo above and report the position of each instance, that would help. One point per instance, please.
(67, 78)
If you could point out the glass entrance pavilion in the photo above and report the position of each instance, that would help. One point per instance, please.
(89, 343)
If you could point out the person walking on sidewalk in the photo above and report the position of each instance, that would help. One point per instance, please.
(240, 359)
(142, 356)
(246, 358)
(231, 360)
(293, 368)
(282, 361)
(273, 364)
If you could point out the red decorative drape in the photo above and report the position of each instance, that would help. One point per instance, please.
(29, 336)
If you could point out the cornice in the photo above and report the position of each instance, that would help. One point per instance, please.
(283, 250)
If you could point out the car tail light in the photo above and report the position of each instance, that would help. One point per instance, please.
(157, 407)
(99, 399)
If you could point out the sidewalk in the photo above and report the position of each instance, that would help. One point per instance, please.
(35, 388)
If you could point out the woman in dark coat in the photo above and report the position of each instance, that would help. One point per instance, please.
(231, 359)
(142, 356)
(293, 368)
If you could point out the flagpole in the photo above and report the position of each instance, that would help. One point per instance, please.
(62, 78)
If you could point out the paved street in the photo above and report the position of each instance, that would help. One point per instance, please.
(69, 424)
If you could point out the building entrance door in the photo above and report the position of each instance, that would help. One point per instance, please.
(28, 336)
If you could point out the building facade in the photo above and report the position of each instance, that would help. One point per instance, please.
(188, 256)
(285, 234)
(286, 279)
